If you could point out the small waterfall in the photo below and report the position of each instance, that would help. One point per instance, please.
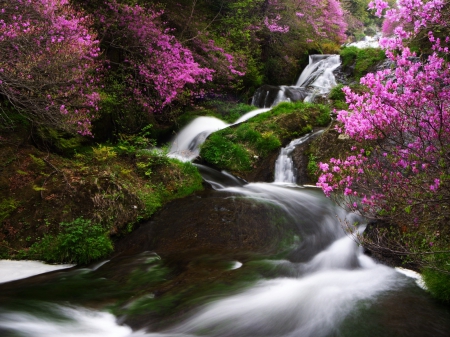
(319, 65)
(186, 144)
(367, 42)
(316, 79)
(285, 171)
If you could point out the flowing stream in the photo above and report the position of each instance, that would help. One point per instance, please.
(315, 282)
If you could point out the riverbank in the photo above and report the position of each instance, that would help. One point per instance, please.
(51, 199)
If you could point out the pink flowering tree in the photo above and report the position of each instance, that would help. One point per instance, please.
(401, 170)
(48, 64)
(320, 20)
(157, 68)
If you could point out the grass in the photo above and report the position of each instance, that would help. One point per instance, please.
(438, 283)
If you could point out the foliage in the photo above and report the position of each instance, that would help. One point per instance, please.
(362, 59)
(312, 167)
(438, 282)
(7, 206)
(59, 141)
(48, 64)
(184, 188)
(401, 171)
(224, 153)
(103, 153)
(337, 97)
(79, 241)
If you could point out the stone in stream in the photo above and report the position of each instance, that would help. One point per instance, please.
(210, 222)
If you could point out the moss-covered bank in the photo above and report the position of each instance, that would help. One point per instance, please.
(242, 148)
(95, 195)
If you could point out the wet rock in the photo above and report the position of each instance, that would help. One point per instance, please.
(209, 222)
(268, 95)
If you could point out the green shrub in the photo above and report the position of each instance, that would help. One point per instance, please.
(61, 142)
(438, 280)
(336, 94)
(349, 55)
(312, 167)
(438, 284)
(79, 241)
(366, 59)
(220, 150)
(363, 59)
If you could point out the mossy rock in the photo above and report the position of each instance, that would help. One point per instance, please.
(242, 148)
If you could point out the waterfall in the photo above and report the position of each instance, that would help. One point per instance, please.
(316, 78)
(322, 284)
(185, 146)
(285, 171)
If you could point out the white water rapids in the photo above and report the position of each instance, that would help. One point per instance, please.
(330, 279)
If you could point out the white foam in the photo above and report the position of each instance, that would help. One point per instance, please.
(77, 322)
(236, 265)
(412, 274)
(16, 270)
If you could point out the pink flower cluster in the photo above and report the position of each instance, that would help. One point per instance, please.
(274, 26)
(48, 63)
(162, 67)
(404, 120)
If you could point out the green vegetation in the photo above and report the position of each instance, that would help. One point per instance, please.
(7, 206)
(239, 148)
(111, 186)
(438, 281)
(364, 60)
(312, 167)
(79, 241)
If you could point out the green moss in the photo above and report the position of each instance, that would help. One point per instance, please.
(191, 182)
(238, 148)
(79, 241)
(151, 201)
(362, 59)
(221, 151)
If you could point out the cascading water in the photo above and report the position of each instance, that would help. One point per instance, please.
(316, 79)
(186, 144)
(317, 76)
(327, 287)
(285, 171)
